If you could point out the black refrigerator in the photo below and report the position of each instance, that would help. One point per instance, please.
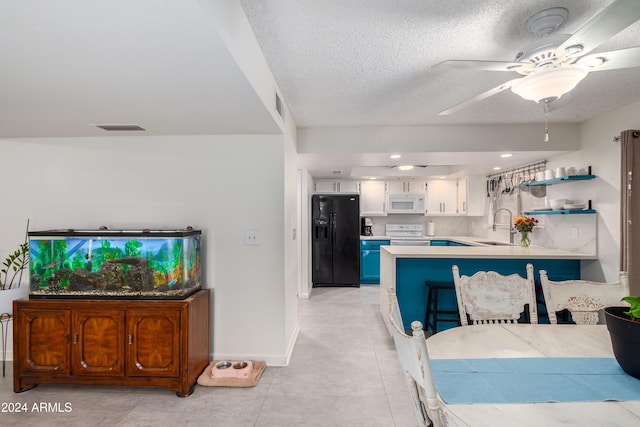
(335, 222)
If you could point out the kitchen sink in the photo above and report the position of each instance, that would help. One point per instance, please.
(494, 243)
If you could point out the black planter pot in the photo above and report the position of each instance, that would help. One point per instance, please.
(625, 339)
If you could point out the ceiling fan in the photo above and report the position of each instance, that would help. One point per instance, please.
(554, 65)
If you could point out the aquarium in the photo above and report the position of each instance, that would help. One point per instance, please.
(116, 264)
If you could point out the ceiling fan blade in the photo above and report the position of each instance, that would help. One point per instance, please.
(484, 65)
(613, 60)
(610, 21)
(477, 98)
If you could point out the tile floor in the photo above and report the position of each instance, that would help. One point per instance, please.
(344, 372)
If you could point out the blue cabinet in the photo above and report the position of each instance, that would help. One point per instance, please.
(444, 242)
(370, 260)
(411, 274)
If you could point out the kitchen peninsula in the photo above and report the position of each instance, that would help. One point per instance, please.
(406, 268)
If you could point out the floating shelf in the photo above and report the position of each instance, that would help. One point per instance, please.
(559, 180)
(562, 212)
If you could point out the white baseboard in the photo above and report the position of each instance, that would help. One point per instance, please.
(271, 360)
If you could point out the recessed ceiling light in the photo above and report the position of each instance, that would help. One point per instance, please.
(395, 156)
(497, 168)
(443, 177)
(405, 167)
(372, 177)
(506, 155)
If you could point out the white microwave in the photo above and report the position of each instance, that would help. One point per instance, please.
(406, 204)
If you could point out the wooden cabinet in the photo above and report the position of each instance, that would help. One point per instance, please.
(97, 338)
(373, 198)
(442, 197)
(124, 342)
(413, 187)
(154, 340)
(333, 187)
(41, 340)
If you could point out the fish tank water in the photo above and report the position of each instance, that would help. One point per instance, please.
(114, 264)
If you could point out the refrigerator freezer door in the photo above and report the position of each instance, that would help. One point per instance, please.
(322, 239)
(336, 240)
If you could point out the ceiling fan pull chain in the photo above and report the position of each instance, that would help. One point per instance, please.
(546, 121)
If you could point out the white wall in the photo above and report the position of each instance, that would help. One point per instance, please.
(305, 190)
(598, 150)
(454, 138)
(223, 185)
(290, 239)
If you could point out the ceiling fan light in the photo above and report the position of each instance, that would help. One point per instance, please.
(549, 84)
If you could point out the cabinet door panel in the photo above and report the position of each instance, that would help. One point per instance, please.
(442, 197)
(45, 340)
(326, 187)
(98, 342)
(373, 197)
(153, 343)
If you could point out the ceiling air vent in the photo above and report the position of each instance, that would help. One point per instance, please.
(121, 127)
(279, 106)
(336, 172)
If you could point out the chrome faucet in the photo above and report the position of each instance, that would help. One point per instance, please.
(512, 230)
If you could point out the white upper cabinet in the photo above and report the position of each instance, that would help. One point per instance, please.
(442, 197)
(336, 186)
(397, 187)
(373, 198)
(471, 195)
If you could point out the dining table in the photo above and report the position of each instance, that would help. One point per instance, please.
(531, 375)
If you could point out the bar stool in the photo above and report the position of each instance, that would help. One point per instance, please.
(434, 313)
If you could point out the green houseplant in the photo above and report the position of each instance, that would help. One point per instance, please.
(623, 324)
(634, 310)
(13, 266)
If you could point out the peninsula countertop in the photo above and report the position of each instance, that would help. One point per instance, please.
(405, 268)
(484, 251)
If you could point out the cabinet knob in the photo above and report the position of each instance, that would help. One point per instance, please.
(66, 338)
(75, 338)
(130, 339)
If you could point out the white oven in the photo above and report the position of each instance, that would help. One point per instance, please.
(406, 235)
(406, 204)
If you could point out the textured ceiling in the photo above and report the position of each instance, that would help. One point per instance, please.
(168, 66)
(369, 62)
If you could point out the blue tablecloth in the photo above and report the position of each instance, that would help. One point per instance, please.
(530, 380)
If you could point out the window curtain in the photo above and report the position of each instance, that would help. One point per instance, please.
(630, 207)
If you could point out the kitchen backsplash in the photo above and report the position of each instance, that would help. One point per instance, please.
(444, 226)
(569, 232)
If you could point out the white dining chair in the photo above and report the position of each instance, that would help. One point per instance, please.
(583, 298)
(414, 359)
(490, 297)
